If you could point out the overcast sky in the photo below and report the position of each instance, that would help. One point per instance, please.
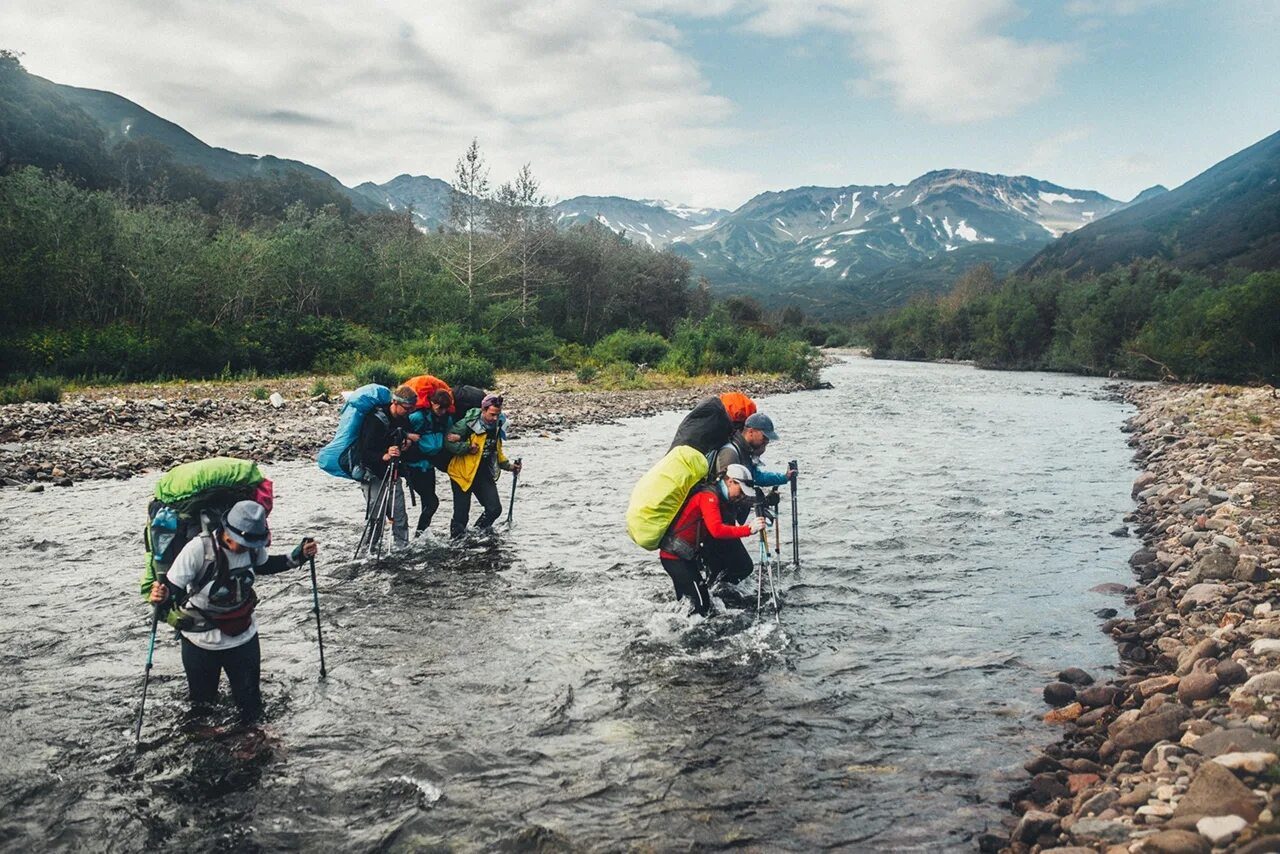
(700, 101)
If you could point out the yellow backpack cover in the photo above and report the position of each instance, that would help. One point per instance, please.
(658, 496)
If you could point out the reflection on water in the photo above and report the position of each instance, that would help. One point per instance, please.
(539, 690)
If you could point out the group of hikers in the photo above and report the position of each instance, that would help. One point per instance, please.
(207, 534)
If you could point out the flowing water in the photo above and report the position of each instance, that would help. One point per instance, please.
(542, 691)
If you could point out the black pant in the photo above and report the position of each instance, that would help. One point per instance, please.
(483, 488)
(689, 583)
(424, 484)
(726, 560)
(242, 664)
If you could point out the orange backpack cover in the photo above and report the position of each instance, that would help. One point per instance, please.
(426, 385)
(738, 406)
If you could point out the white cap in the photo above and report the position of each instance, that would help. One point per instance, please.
(742, 474)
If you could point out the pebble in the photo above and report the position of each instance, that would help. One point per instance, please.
(1220, 829)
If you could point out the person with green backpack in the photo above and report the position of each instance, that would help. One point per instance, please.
(201, 568)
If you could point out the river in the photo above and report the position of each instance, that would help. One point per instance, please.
(542, 691)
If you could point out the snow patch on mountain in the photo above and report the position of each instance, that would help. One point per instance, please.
(1054, 198)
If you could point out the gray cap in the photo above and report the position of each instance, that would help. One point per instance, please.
(742, 474)
(246, 523)
(763, 423)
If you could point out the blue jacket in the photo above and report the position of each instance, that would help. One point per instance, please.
(431, 430)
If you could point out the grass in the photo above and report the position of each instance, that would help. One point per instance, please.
(40, 389)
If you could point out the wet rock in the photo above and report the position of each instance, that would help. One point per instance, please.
(1110, 587)
(1059, 694)
(1040, 764)
(1065, 714)
(1148, 688)
(1231, 672)
(1075, 676)
(1104, 800)
(1215, 791)
(1046, 787)
(1235, 740)
(1096, 696)
(34, 487)
(1174, 842)
(1162, 725)
(1033, 825)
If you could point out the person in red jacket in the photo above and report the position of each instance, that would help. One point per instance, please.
(682, 548)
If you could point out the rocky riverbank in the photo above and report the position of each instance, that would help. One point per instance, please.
(1179, 752)
(122, 431)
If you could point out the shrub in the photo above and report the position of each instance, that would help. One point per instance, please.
(260, 393)
(621, 375)
(570, 356)
(40, 389)
(626, 345)
(586, 373)
(464, 370)
(320, 387)
(376, 372)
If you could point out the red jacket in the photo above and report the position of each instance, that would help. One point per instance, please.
(702, 512)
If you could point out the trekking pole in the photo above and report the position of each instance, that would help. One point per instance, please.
(146, 674)
(795, 521)
(388, 506)
(777, 533)
(370, 516)
(511, 505)
(315, 607)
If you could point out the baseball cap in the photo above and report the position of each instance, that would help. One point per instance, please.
(764, 424)
(742, 474)
(246, 523)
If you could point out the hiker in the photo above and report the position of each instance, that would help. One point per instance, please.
(695, 540)
(211, 586)
(476, 445)
(745, 447)
(430, 424)
(384, 437)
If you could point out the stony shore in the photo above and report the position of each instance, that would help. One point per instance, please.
(122, 431)
(1178, 752)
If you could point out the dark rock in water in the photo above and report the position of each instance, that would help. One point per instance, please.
(1105, 613)
(1120, 532)
(34, 487)
(1075, 676)
(1231, 672)
(536, 838)
(990, 843)
(1041, 764)
(1142, 557)
(1235, 740)
(1216, 791)
(1045, 787)
(1109, 587)
(1176, 842)
(1033, 825)
(1096, 696)
(1059, 694)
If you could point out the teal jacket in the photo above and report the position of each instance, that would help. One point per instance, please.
(431, 430)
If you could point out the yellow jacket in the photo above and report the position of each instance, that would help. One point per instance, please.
(464, 466)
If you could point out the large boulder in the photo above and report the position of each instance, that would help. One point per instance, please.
(1175, 842)
(1215, 565)
(1235, 740)
(1161, 725)
(1216, 791)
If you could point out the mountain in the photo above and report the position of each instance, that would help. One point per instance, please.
(819, 244)
(1228, 215)
(655, 223)
(428, 197)
(121, 119)
(1149, 193)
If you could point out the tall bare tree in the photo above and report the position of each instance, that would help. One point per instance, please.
(523, 220)
(469, 250)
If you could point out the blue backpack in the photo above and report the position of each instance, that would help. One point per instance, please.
(341, 457)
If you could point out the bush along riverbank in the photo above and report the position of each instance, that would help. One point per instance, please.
(1179, 752)
(122, 431)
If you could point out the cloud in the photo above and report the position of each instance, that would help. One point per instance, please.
(1049, 153)
(598, 99)
(946, 61)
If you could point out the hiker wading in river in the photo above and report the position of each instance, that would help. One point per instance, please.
(476, 443)
(211, 584)
(384, 438)
(689, 547)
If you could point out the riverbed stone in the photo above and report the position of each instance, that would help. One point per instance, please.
(1102, 830)
(1252, 761)
(1161, 725)
(1230, 672)
(1220, 829)
(1075, 676)
(1205, 593)
(1174, 842)
(1215, 791)
(1261, 684)
(1200, 684)
(1235, 740)
(1059, 693)
(1098, 695)
(1261, 845)
(1034, 824)
(1148, 688)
